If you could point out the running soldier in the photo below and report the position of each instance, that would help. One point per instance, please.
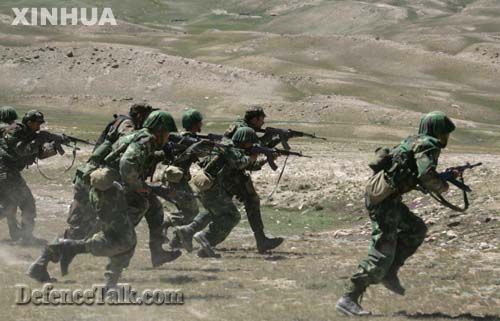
(396, 231)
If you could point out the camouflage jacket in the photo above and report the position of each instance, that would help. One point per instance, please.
(426, 150)
(19, 147)
(266, 140)
(125, 127)
(139, 158)
(229, 166)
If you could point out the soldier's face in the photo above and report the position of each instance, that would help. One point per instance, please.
(245, 145)
(257, 122)
(34, 126)
(162, 137)
(196, 128)
(443, 139)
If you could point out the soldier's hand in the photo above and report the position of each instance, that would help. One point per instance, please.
(457, 173)
(445, 188)
(144, 190)
(253, 157)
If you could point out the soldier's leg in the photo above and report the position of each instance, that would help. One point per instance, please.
(116, 266)
(251, 200)
(154, 218)
(223, 213)
(411, 234)
(186, 202)
(28, 213)
(384, 220)
(82, 219)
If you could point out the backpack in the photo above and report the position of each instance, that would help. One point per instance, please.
(110, 130)
(399, 165)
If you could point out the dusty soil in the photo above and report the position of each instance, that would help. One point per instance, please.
(360, 73)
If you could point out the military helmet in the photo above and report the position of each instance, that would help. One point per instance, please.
(7, 114)
(191, 117)
(140, 108)
(435, 123)
(245, 135)
(254, 111)
(160, 120)
(34, 116)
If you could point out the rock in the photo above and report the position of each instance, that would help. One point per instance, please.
(484, 246)
(450, 234)
(70, 54)
(115, 66)
(454, 223)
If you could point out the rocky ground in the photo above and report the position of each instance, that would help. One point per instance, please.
(359, 73)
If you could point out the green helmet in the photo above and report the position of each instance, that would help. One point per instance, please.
(245, 135)
(435, 123)
(34, 116)
(7, 114)
(254, 111)
(191, 117)
(160, 120)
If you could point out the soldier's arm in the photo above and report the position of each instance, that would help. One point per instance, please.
(269, 140)
(22, 145)
(237, 159)
(427, 162)
(131, 170)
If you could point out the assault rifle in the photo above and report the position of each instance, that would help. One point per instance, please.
(448, 175)
(285, 134)
(270, 154)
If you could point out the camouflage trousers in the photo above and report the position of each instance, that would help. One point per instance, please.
(396, 235)
(246, 193)
(185, 202)
(82, 219)
(222, 214)
(14, 194)
(150, 207)
(117, 238)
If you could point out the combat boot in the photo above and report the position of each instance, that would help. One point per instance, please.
(185, 236)
(348, 303)
(206, 251)
(38, 269)
(111, 280)
(392, 283)
(159, 256)
(265, 244)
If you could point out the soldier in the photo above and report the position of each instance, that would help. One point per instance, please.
(396, 231)
(81, 219)
(218, 183)
(116, 240)
(8, 117)
(254, 118)
(135, 166)
(21, 146)
(120, 208)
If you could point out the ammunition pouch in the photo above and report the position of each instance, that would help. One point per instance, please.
(378, 188)
(202, 181)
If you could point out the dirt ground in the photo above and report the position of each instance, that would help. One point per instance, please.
(360, 73)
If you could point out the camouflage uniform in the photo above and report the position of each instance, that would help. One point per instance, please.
(396, 231)
(184, 195)
(116, 239)
(81, 218)
(19, 148)
(135, 165)
(218, 200)
(244, 188)
(8, 116)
